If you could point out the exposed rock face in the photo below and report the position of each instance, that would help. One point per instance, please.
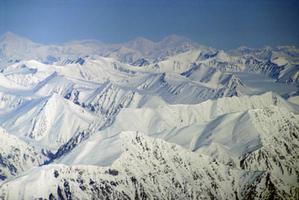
(148, 169)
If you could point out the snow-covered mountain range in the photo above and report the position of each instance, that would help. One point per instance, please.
(147, 120)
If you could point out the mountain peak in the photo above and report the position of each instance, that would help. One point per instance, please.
(140, 41)
(141, 44)
(9, 34)
(175, 38)
(11, 37)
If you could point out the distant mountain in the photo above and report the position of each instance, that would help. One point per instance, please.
(283, 69)
(280, 63)
(14, 48)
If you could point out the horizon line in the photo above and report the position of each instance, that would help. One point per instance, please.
(142, 38)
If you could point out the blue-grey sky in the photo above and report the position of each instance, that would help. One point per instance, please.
(217, 23)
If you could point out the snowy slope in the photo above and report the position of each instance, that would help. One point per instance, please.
(173, 53)
(260, 140)
(50, 121)
(175, 123)
(46, 79)
(9, 102)
(163, 171)
(16, 156)
(280, 65)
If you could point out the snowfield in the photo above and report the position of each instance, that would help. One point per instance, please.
(147, 120)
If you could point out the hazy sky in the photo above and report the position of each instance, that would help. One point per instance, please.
(218, 23)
